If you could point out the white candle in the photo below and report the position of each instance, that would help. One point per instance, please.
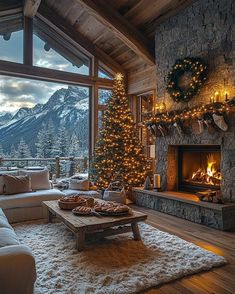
(157, 181)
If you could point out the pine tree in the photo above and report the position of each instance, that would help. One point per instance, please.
(23, 150)
(13, 152)
(45, 142)
(41, 142)
(50, 148)
(74, 145)
(1, 151)
(118, 152)
(62, 142)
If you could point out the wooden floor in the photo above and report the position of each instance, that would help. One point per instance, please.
(217, 281)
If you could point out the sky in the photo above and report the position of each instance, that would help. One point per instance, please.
(19, 92)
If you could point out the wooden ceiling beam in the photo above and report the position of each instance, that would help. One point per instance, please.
(121, 27)
(46, 74)
(31, 7)
(49, 15)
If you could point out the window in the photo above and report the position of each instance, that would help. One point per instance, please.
(59, 59)
(43, 119)
(103, 98)
(104, 75)
(11, 48)
(145, 104)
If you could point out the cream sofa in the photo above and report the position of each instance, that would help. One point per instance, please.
(17, 264)
(28, 206)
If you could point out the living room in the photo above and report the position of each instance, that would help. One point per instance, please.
(117, 146)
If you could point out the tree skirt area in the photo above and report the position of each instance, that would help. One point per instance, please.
(115, 265)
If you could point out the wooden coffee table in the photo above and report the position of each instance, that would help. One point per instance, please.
(83, 226)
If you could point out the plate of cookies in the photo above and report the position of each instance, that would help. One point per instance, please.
(70, 202)
(111, 208)
(82, 210)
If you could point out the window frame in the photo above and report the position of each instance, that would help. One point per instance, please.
(28, 70)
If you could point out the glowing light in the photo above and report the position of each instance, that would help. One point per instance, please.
(209, 176)
(119, 76)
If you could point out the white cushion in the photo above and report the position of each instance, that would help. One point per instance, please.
(3, 221)
(39, 178)
(30, 199)
(71, 192)
(79, 184)
(8, 237)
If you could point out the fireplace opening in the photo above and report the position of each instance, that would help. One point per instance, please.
(199, 168)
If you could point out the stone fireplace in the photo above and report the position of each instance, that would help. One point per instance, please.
(201, 30)
(206, 30)
(193, 168)
(179, 157)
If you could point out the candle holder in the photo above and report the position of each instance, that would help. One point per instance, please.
(157, 189)
(156, 182)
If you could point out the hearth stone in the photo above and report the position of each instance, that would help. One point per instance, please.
(187, 206)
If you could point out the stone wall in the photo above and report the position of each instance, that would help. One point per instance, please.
(207, 30)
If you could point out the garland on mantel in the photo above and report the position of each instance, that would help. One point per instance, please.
(208, 114)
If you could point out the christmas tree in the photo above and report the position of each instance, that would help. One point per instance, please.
(118, 152)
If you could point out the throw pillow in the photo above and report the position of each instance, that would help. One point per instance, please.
(16, 184)
(6, 172)
(1, 184)
(39, 178)
(79, 184)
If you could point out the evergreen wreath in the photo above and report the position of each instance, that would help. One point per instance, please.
(199, 72)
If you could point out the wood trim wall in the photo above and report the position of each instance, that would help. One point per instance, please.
(142, 80)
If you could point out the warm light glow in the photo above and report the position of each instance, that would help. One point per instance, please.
(160, 107)
(216, 99)
(209, 176)
(119, 76)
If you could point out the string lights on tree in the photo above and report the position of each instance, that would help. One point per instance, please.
(118, 153)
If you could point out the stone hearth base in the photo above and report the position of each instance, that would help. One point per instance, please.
(188, 206)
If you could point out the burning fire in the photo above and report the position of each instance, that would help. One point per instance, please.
(209, 176)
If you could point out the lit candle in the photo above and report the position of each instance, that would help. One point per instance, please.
(216, 96)
(226, 96)
(212, 99)
(157, 181)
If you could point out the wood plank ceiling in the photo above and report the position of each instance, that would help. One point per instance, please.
(142, 15)
(122, 29)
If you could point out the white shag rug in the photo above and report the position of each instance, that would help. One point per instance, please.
(118, 265)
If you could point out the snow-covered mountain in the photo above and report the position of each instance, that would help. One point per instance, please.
(5, 118)
(66, 107)
(25, 111)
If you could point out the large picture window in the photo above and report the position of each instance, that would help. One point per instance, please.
(43, 119)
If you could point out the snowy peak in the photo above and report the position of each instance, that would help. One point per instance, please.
(5, 118)
(37, 108)
(22, 113)
(75, 94)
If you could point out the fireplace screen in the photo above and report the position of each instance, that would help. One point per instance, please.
(199, 168)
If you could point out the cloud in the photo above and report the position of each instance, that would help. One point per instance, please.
(17, 92)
